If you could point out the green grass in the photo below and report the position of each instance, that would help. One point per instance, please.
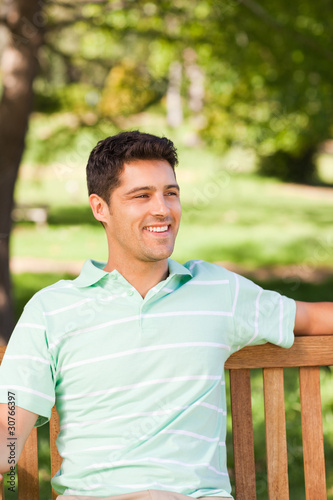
(229, 213)
(227, 216)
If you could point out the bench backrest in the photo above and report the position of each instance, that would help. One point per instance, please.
(307, 353)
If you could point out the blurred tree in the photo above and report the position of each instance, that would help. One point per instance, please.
(173, 98)
(270, 81)
(129, 89)
(18, 67)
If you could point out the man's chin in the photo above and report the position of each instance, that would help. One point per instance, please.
(159, 255)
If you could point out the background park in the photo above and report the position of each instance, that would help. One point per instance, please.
(245, 91)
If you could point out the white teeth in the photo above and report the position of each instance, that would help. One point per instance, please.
(156, 229)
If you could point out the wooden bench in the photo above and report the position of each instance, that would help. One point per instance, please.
(307, 353)
(25, 212)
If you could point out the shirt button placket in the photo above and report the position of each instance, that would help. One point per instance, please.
(140, 318)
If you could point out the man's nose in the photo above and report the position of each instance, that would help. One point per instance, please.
(160, 206)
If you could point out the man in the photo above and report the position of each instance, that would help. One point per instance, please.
(132, 351)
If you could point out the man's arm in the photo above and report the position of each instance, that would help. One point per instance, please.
(24, 423)
(314, 318)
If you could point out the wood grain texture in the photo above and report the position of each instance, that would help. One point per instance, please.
(27, 469)
(306, 351)
(2, 494)
(56, 459)
(312, 432)
(276, 441)
(242, 431)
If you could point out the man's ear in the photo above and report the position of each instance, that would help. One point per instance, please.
(99, 208)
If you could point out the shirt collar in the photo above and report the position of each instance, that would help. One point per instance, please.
(93, 271)
(177, 269)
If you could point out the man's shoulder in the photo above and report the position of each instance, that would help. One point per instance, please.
(91, 272)
(202, 269)
(52, 293)
(210, 270)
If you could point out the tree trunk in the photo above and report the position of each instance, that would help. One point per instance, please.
(25, 22)
(196, 89)
(196, 94)
(174, 100)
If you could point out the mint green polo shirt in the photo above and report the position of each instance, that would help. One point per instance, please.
(139, 383)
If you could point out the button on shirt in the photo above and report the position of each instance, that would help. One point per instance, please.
(139, 383)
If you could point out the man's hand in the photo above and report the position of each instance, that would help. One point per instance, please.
(314, 318)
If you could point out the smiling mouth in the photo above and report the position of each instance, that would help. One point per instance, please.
(157, 229)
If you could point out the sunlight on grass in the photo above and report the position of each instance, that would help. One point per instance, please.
(325, 168)
(227, 216)
(60, 243)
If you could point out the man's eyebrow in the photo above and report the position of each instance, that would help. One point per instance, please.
(151, 188)
(173, 186)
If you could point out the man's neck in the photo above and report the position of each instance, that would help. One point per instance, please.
(143, 275)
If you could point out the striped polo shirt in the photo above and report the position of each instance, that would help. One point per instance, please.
(139, 383)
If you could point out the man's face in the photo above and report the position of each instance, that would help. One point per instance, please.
(144, 212)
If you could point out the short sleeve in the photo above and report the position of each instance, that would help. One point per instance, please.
(261, 316)
(27, 368)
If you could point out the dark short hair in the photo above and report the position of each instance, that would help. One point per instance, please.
(107, 159)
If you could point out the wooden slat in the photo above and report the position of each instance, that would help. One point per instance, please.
(2, 495)
(242, 431)
(55, 457)
(27, 469)
(306, 351)
(276, 442)
(312, 432)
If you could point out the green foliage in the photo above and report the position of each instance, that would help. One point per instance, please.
(268, 69)
(129, 89)
(74, 97)
(270, 80)
(288, 167)
(64, 140)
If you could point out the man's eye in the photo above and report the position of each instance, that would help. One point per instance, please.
(142, 196)
(172, 193)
